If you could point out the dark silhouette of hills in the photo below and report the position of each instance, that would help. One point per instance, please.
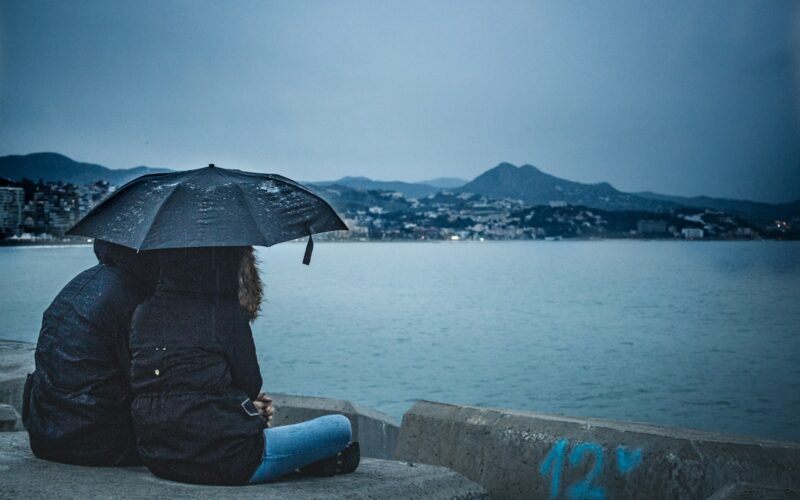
(409, 189)
(445, 182)
(349, 199)
(754, 210)
(534, 187)
(526, 183)
(57, 167)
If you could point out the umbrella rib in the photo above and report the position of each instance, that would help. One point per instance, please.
(156, 214)
(116, 193)
(301, 187)
(297, 185)
(143, 178)
(250, 210)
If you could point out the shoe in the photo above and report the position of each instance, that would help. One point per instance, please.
(348, 459)
(344, 462)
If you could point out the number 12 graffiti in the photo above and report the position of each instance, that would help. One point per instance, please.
(553, 465)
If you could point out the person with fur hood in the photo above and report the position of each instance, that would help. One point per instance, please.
(198, 410)
(76, 406)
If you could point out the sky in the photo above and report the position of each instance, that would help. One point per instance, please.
(676, 97)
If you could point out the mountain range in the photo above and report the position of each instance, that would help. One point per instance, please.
(409, 189)
(526, 183)
(534, 187)
(56, 167)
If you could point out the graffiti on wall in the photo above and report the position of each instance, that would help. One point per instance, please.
(625, 460)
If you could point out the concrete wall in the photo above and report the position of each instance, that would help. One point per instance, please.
(10, 420)
(530, 455)
(375, 431)
(749, 491)
(16, 361)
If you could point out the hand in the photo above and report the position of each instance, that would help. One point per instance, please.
(264, 407)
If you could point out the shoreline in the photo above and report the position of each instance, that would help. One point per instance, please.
(65, 244)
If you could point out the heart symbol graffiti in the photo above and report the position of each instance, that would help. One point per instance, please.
(628, 460)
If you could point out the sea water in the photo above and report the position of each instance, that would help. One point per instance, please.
(693, 334)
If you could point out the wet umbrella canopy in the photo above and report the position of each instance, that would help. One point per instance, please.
(208, 207)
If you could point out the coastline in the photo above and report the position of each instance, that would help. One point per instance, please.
(59, 243)
(67, 244)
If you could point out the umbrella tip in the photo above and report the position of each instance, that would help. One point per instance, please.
(211, 165)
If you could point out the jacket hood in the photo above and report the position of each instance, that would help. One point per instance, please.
(206, 271)
(219, 271)
(141, 266)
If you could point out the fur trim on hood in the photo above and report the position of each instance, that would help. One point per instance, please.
(251, 289)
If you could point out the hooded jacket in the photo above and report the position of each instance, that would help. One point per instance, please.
(194, 371)
(77, 401)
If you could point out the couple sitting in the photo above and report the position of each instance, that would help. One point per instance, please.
(149, 358)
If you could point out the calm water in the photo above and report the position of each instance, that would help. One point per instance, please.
(703, 334)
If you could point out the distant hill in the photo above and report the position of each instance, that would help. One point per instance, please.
(762, 212)
(56, 167)
(409, 189)
(526, 183)
(534, 187)
(445, 182)
(348, 199)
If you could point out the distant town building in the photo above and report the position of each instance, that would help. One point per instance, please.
(53, 207)
(92, 194)
(692, 233)
(651, 227)
(355, 231)
(12, 201)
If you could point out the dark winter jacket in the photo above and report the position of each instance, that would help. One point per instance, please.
(194, 372)
(77, 407)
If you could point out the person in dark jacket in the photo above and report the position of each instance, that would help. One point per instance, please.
(197, 407)
(77, 402)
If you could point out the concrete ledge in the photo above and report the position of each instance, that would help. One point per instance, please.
(749, 491)
(9, 419)
(24, 476)
(375, 431)
(516, 454)
(16, 362)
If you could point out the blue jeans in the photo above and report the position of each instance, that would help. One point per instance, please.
(290, 447)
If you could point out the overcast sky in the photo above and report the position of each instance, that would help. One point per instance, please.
(675, 97)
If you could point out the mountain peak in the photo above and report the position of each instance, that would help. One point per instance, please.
(510, 168)
(529, 184)
(505, 166)
(530, 167)
(46, 154)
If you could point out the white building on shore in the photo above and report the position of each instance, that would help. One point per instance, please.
(12, 200)
(692, 233)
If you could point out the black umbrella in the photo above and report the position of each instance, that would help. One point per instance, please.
(209, 207)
